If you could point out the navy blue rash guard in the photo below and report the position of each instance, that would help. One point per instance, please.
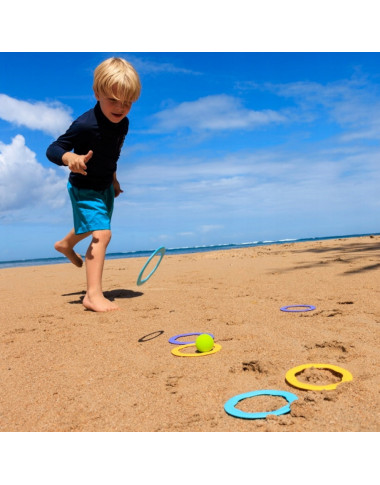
(92, 131)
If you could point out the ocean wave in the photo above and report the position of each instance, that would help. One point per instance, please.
(179, 250)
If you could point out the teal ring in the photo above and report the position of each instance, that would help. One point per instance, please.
(160, 250)
(229, 406)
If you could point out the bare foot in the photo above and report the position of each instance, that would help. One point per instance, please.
(99, 303)
(74, 257)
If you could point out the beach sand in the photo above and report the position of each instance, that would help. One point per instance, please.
(63, 368)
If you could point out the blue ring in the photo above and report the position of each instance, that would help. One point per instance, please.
(173, 340)
(309, 308)
(160, 250)
(229, 406)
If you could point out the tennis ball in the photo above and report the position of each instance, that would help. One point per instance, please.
(204, 342)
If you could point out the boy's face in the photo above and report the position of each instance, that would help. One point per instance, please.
(112, 108)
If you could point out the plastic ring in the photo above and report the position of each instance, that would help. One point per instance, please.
(291, 378)
(307, 308)
(230, 408)
(177, 351)
(173, 340)
(151, 335)
(159, 250)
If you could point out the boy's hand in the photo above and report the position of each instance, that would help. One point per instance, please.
(117, 188)
(77, 163)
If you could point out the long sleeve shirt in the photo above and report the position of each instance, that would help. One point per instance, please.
(92, 131)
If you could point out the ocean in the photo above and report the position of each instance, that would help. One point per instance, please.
(183, 250)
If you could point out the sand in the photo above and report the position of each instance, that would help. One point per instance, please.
(63, 368)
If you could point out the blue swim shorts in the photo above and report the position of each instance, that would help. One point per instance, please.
(92, 209)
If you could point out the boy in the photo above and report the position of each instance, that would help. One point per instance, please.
(96, 139)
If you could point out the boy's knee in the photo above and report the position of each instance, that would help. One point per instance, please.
(103, 236)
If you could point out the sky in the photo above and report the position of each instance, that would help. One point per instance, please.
(223, 147)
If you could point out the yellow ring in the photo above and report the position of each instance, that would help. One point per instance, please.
(290, 377)
(177, 351)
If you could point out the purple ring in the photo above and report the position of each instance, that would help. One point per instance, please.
(309, 308)
(173, 340)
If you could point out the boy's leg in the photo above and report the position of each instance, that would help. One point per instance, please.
(66, 245)
(96, 252)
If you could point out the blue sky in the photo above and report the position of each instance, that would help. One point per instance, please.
(223, 147)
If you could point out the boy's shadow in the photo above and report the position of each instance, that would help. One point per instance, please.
(110, 295)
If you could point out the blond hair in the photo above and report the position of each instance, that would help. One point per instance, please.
(117, 77)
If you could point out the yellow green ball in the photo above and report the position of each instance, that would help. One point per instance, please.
(204, 342)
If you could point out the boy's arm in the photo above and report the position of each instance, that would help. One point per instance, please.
(77, 163)
(64, 143)
(61, 151)
(116, 185)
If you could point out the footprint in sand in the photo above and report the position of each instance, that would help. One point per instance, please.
(251, 366)
(329, 351)
(172, 384)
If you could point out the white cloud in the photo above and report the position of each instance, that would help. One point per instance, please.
(211, 227)
(51, 118)
(352, 104)
(146, 66)
(263, 186)
(25, 183)
(214, 113)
